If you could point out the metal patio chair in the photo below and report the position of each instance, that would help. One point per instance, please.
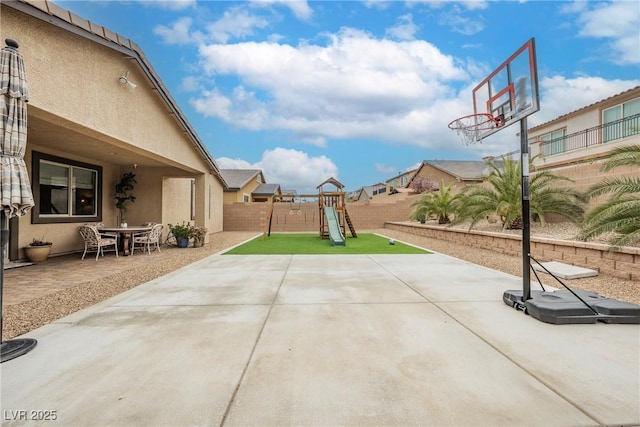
(148, 239)
(94, 241)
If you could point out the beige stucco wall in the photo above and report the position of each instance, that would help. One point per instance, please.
(73, 83)
(78, 80)
(247, 190)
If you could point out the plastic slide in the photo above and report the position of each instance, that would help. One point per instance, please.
(335, 234)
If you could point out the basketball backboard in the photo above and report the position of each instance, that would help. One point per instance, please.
(510, 92)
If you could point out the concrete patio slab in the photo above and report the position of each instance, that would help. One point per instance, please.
(597, 367)
(127, 366)
(325, 341)
(385, 364)
(371, 286)
(565, 271)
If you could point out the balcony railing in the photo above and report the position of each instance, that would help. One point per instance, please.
(618, 129)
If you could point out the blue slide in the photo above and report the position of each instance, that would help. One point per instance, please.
(335, 234)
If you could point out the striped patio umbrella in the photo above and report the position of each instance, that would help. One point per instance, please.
(15, 190)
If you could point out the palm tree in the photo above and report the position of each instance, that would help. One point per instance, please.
(504, 196)
(441, 203)
(621, 213)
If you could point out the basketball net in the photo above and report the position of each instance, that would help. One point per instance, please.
(468, 127)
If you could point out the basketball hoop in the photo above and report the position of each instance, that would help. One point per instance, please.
(468, 127)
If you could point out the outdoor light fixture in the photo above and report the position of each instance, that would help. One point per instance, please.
(124, 79)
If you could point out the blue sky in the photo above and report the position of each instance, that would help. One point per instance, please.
(364, 90)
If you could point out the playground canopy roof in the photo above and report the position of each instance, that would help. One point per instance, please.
(333, 181)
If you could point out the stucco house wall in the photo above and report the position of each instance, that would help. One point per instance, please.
(78, 110)
(584, 165)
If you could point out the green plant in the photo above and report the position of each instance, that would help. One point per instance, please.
(503, 196)
(181, 231)
(440, 203)
(198, 233)
(123, 193)
(620, 214)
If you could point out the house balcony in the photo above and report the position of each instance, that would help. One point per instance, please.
(591, 143)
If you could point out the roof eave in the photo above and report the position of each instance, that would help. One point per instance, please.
(120, 44)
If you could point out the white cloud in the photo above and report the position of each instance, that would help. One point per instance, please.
(236, 23)
(376, 4)
(300, 8)
(617, 22)
(178, 33)
(560, 95)
(190, 84)
(292, 169)
(354, 87)
(459, 23)
(227, 163)
(358, 87)
(405, 29)
(170, 4)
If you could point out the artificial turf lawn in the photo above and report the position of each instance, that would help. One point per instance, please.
(312, 244)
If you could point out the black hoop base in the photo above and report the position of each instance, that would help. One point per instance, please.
(15, 348)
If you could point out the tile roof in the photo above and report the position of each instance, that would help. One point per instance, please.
(266, 190)
(238, 178)
(462, 169)
(50, 12)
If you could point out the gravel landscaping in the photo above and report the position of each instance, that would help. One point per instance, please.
(25, 316)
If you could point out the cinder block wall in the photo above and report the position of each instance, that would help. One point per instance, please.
(624, 263)
(588, 173)
(289, 217)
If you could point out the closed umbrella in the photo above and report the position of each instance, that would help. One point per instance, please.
(15, 191)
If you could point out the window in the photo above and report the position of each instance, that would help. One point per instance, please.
(554, 142)
(619, 121)
(65, 190)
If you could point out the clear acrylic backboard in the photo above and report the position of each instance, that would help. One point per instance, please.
(510, 92)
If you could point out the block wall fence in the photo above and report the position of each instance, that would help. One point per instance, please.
(624, 264)
(288, 217)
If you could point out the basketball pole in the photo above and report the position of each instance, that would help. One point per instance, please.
(526, 220)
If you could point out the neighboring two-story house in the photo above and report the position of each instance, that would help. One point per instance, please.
(399, 182)
(575, 145)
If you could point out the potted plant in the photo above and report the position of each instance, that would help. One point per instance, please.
(182, 233)
(38, 250)
(198, 234)
(123, 194)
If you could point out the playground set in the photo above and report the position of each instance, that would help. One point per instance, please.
(509, 95)
(332, 211)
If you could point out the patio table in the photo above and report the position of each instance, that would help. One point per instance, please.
(127, 233)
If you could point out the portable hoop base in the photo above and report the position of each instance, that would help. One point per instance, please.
(562, 307)
(14, 348)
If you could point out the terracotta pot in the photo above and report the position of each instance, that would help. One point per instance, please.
(37, 253)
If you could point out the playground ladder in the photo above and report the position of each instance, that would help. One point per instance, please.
(349, 223)
(267, 225)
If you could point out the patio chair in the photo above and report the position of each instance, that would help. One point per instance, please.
(148, 239)
(94, 241)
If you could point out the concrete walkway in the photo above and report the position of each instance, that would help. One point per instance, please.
(325, 341)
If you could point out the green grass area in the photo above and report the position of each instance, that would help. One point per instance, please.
(312, 244)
